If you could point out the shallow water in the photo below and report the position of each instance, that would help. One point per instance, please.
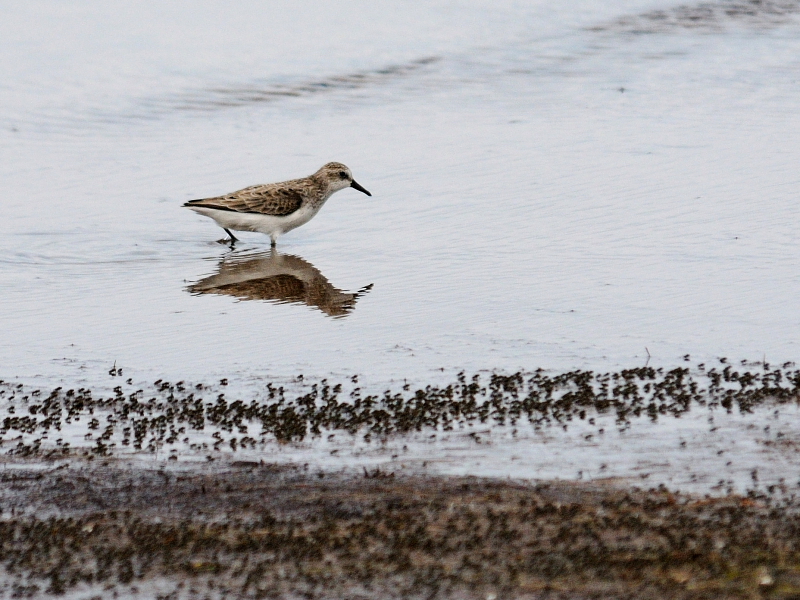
(555, 186)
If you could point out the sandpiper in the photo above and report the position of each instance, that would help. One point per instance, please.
(275, 208)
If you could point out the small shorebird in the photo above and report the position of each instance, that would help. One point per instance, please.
(275, 208)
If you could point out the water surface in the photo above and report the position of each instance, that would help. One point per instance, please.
(555, 186)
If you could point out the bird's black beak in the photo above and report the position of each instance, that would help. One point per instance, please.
(356, 185)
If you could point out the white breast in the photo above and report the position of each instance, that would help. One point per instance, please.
(271, 225)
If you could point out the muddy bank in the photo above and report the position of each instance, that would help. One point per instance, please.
(256, 530)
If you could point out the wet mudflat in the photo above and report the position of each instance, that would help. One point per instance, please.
(721, 428)
(254, 530)
(179, 490)
(166, 414)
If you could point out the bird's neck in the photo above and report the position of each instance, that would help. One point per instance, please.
(324, 188)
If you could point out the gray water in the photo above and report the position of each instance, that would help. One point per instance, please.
(555, 185)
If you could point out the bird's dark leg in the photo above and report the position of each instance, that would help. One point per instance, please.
(233, 237)
(274, 241)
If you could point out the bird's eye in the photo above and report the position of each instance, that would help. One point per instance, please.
(342, 174)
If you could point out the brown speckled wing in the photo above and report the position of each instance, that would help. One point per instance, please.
(277, 201)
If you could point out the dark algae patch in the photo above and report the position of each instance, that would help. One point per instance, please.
(169, 416)
(261, 531)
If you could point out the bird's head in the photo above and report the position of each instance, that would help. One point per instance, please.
(338, 177)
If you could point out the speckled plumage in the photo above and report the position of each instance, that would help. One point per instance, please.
(275, 208)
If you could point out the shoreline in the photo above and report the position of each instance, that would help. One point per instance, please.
(249, 530)
(322, 490)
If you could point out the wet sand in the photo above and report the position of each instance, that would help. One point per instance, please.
(251, 530)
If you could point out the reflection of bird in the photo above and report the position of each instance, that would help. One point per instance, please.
(281, 278)
(275, 208)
